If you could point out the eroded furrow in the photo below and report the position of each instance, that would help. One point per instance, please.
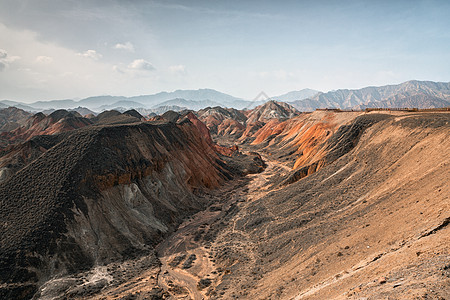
(188, 257)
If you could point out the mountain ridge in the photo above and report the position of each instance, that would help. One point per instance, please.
(373, 95)
(296, 95)
(422, 94)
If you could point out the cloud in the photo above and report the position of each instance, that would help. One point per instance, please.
(5, 60)
(118, 69)
(74, 75)
(141, 65)
(263, 74)
(178, 69)
(127, 46)
(3, 57)
(92, 54)
(138, 68)
(44, 59)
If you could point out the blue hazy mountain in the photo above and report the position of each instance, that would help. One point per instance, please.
(420, 94)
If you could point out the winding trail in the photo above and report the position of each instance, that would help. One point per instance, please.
(175, 279)
(181, 278)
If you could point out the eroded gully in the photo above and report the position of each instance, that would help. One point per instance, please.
(184, 280)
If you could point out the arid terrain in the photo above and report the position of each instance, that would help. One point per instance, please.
(273, 204)
(224, 150)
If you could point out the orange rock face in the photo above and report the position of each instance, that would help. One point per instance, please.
(250, 130)
(305, 135)
(230, 127)
(274, 126)
(204, 132)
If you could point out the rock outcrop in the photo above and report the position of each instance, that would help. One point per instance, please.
(271, 110)
(11, 118)
(229, 122)
(223, 121)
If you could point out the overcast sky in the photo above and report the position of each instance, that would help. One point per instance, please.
(58, 49)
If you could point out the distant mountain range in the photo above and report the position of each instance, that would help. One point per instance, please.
(193, 99)
(8, 103)
(420, 94)
(191, 104)
(296, 95)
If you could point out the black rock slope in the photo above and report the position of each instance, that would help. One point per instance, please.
(99, 194)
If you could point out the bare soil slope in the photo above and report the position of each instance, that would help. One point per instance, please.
(371, 223)
(374, 223)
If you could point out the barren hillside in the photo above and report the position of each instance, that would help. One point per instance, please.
(347, 205)
(371, 224)
(99, 195)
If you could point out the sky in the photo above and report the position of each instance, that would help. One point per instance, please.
(71, 49)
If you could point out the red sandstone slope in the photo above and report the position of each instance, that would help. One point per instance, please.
(302, 139)
(242, 124)
(40, 131)
(204, 131)
(270, 113)
(40, 124)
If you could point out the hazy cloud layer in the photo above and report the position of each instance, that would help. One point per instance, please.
(92, 54)
(3, 54)
(5, 60)
(126, 46)
(178, 69)
(141, 65)
(44, 59)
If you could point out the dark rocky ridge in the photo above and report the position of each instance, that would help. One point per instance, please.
(83, 183)
(15, 157)
(22, 144)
